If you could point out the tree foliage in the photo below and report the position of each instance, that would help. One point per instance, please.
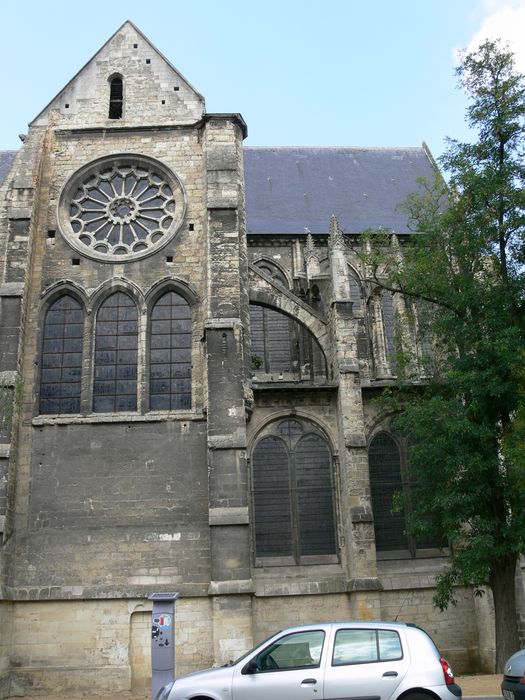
(465, 269)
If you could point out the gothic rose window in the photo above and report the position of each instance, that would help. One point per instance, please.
(121, 208)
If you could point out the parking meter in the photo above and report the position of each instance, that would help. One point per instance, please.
(162, 640)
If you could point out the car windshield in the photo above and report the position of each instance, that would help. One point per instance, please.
(232, 663)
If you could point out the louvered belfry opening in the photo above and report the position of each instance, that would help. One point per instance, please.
(116, 97)
(293, 503)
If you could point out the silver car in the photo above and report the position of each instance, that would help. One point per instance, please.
(513, 684)
(345, 660)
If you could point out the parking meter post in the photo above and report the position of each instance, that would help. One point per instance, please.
(162, 640)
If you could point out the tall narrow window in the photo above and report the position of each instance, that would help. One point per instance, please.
(61, 361)
(385, 480)
(170, 354)
(293, 494)
(389, 326)
(115, 98)
(389, 475)
(356, 293)
(116, 337)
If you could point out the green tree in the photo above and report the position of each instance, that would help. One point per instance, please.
(464, 271)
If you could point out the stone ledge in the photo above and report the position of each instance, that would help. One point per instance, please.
(235, 587)
(361, 514)
(19, 213)
(12, 289)
(371, 583)
(8, 378)
(267, 589)
(81, 593)
(71, 419)
(233, 441)
(229, 516)
(355, 440)
(222, 323)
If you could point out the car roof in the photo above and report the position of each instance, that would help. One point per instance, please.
(361, 624)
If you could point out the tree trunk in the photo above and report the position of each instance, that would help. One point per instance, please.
(503, 584)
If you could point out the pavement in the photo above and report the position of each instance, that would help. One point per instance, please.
(479, 686)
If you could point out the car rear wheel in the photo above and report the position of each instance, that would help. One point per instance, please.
(418, 695)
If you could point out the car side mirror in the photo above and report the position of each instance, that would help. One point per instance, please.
(251, 667)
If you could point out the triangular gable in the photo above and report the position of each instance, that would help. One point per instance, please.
(155, 92)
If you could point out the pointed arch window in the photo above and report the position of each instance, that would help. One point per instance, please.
(292, 489)
(61, 359)
(116, 343)
(170, 354)
(116, 97)
(282, 348)
(273, 271)
(387, 457)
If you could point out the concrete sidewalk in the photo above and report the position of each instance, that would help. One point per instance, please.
(480, 685)
(472, 686)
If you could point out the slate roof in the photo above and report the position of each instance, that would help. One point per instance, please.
(6, 160)
(289, 189)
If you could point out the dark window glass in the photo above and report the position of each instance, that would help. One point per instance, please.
(293, 493)
(386, 458)
(170, 354)
(116, 94)
(273, 271)
(385, 480)
(116, 342)
(389, 325)
(61, 359)
(271, 495)
(314, 496)
(280, 345)
(356, 294)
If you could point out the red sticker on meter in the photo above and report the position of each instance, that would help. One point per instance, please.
(164, 621)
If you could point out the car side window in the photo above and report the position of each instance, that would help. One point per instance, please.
(358, 646)
(297, 650)
(389, 645)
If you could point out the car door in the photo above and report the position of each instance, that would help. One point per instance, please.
(365, 662)
(289, 667)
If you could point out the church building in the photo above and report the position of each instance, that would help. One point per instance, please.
(191, 350)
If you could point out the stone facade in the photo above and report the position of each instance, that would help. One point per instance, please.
(99, 509)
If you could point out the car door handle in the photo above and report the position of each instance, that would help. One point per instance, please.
(309, 681)
(390, 674)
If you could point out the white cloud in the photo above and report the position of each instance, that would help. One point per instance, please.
(503, 19)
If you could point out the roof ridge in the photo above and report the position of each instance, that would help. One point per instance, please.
(337, 148)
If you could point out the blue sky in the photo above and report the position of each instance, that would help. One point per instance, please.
(301, 72)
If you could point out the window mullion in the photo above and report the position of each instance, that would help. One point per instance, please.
(294, 507)
(266, 340)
